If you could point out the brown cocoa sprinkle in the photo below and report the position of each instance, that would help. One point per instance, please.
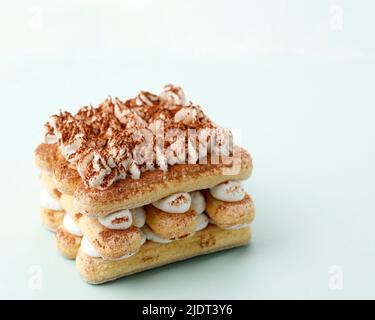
(57, 193)
(207, 241)
(107, 134)
(184, 236)
(119, 220)
(149, 258)
(178, 201)
(78, 215)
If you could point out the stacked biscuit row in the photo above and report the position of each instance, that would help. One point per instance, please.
(110, 243)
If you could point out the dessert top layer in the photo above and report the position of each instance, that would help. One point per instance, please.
(125, 138)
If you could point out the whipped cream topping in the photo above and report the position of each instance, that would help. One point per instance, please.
(175, 203)
(230, 191)
(202, 222)
(151, 236)
(71, 226)
(119, 220)
(198, 202)
(146, 98)
(172, 96)
(47, 135)
(139, 216)
(48, 202)
(117, 139)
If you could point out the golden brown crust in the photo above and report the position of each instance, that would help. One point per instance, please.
(49, 186)
(67, 243)
(46, 155)
(111, 244)
(50, 160)
(152, 255)
(65, 178)
(229, 214)
(51, 219)
(171, 226)
(66, 202)
(154, 185)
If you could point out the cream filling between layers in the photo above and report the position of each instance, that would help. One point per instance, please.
(198, 202)
(230, 191)
(119, 220)
(175, 203)
(71, 226)
(48, 202)
(124, 219)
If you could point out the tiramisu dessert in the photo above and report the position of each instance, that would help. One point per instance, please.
(136, 184)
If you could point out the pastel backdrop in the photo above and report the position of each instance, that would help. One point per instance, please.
(295, 81)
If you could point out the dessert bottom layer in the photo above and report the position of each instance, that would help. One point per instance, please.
(151, 254)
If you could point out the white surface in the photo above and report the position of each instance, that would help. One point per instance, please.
(294, 78)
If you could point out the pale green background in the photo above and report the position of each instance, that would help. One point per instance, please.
(294, 78)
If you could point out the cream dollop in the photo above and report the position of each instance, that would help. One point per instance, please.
(139, 216)
(186, 115)
(88, 249)
(48, 202)
(175, 203)
(143, 238)
(146, 98)
(119, 220)
(151, 236)
(198, 202)
(69, 150)
(47, 136)
(71, 226)
(172, 95)
(230, 191)
(202, 222)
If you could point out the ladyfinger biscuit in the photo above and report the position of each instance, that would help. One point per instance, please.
(46, 155)
(157, 184)
(51, 219)
(67, 243)
(111, 244)
(229, 214)
(49, 159)
(49, 185)
(66, 202)
(171, 226)
(65, 178)
(152, 255)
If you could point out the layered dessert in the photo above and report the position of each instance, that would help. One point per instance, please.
(132, 185)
